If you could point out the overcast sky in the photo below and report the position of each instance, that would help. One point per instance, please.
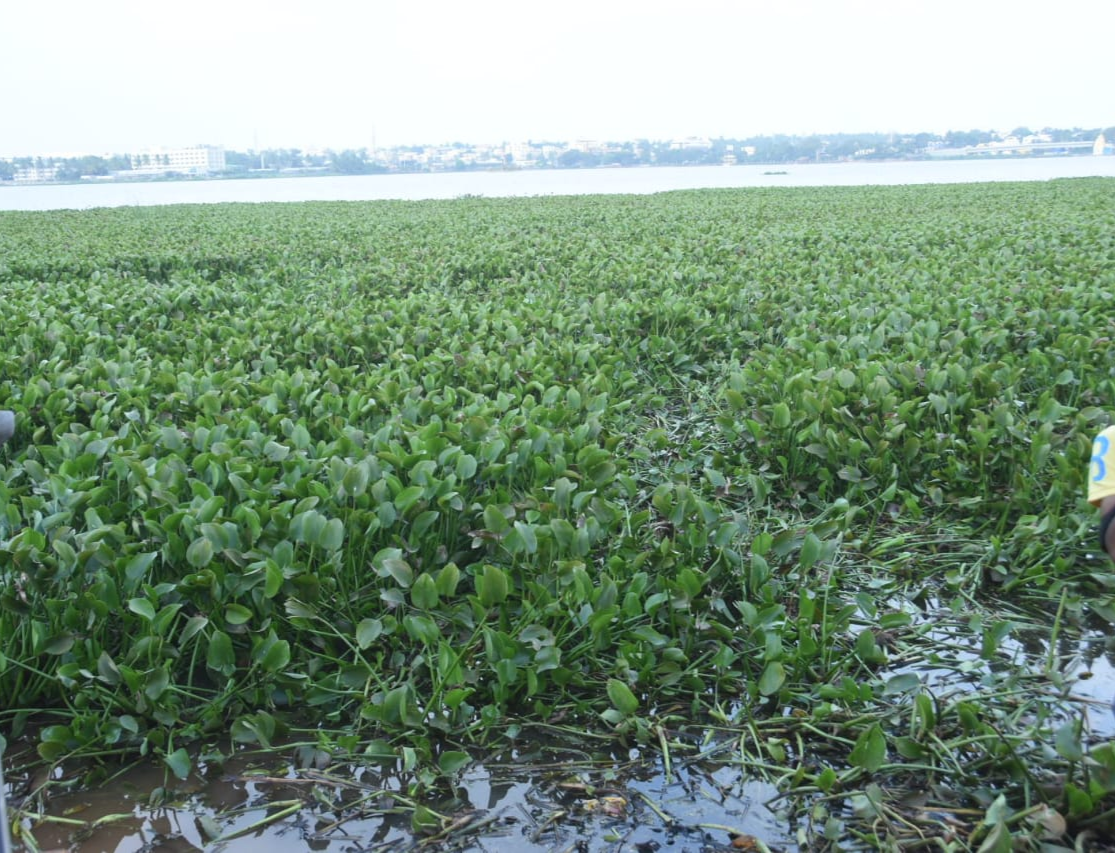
(122, 75)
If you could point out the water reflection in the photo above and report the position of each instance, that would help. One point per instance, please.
(538, 794)
(542, 799)
(952, 655)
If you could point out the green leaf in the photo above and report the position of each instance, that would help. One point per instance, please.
(334, 535)
(136, 569)
(621, 697)
(380, 751)
(998, 840)
(452, 761)
(179, 763)
(237, 614)
(422, 628)
(253, 728)
(423, 522)
(494, 520)
(308, 527)
(424, 821)
(925, 712)
(300, 437)
(200, 553)
(772, 679)
(107, 669)
(408, 497)
(276, 657)
(867, 649)
(1067, 741)
(219, 656)
(299, 609)
(156, 683)
(447, 579)
(209, 826)
(1079, 802)
(870, 751)
(811, 549)
(142, 607)
(367, 632)
(395, 704)
(355, 480)
(491, 586)
(827, 779)
(274, 580)
(907, 682)
(909, 748)
(424, 594)
(563, 532)
(466, 467)
(51, 751)
(526, 533)
(60, 644)
(780, 416)
(400, 570)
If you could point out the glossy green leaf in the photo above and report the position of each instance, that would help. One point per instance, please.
(142, 607)
(276, 657)
(870, 750)
(491, 586)
(621, 697)
(424, 592)
(237, 614)
(451, 762)
(772, 679)
(219, 655)
(200, 553)
(368, 631)
(179, 763)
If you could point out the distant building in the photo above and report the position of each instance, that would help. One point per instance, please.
(690, 143)
(194, 160)
(522, 152)
(36, 174)
(586, 146)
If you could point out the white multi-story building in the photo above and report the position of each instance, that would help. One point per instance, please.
(36, 174)
(194, 160)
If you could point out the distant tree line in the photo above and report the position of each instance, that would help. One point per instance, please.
(775, 149)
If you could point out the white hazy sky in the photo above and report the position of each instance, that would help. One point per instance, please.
(103, 76)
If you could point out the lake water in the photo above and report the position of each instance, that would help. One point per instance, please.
(545, 182)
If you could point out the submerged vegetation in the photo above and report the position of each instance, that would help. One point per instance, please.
(788, 477)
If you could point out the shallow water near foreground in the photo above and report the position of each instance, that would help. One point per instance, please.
(547, 790)
(510, 802)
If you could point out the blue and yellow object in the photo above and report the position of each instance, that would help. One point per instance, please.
(1101, 474)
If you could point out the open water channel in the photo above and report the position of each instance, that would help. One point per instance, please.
(543, 182)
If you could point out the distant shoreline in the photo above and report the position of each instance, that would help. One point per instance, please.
(273, 174)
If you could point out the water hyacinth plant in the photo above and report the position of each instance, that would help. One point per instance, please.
(802, 468)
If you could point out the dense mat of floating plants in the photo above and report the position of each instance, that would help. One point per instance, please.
(413, 472)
